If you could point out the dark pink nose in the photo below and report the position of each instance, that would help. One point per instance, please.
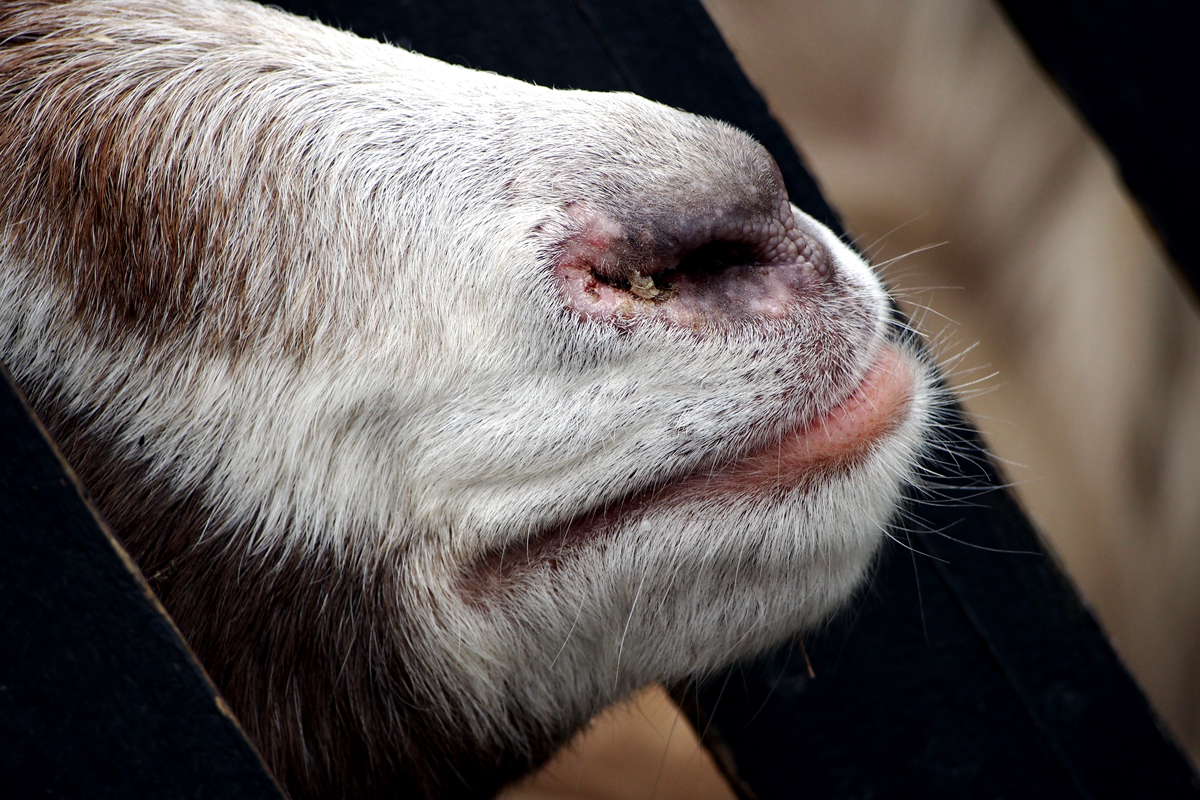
(718, 255)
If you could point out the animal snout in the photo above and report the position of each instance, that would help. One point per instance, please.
(716, 255)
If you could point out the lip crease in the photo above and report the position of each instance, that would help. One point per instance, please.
(828, 445)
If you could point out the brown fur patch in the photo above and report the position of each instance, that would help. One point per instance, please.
(156, 189)
(127, 147)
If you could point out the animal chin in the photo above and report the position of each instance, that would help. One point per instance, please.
(829, 445)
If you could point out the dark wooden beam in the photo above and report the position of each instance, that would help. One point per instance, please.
(99, 695)
(1130, 67)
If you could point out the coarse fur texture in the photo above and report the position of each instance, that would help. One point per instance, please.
(441, 410)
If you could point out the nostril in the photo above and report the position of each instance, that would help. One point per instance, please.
(696, 269)
(713, 257)
(700, 265)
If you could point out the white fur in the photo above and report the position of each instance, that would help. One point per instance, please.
(421, 387)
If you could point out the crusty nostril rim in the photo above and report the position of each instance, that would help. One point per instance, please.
(699, 264)
(705, 261)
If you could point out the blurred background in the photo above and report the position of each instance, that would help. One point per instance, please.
(1004, 228)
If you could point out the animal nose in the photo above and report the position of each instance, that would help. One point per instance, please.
(714, 255)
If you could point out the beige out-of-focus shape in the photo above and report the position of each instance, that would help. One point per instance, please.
(928, 123)
(640, 750)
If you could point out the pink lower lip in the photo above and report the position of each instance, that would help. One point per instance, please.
(833, 442)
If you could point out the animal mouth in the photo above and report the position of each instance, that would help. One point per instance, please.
(826, 446)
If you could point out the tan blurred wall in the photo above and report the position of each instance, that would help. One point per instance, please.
(928, 123)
